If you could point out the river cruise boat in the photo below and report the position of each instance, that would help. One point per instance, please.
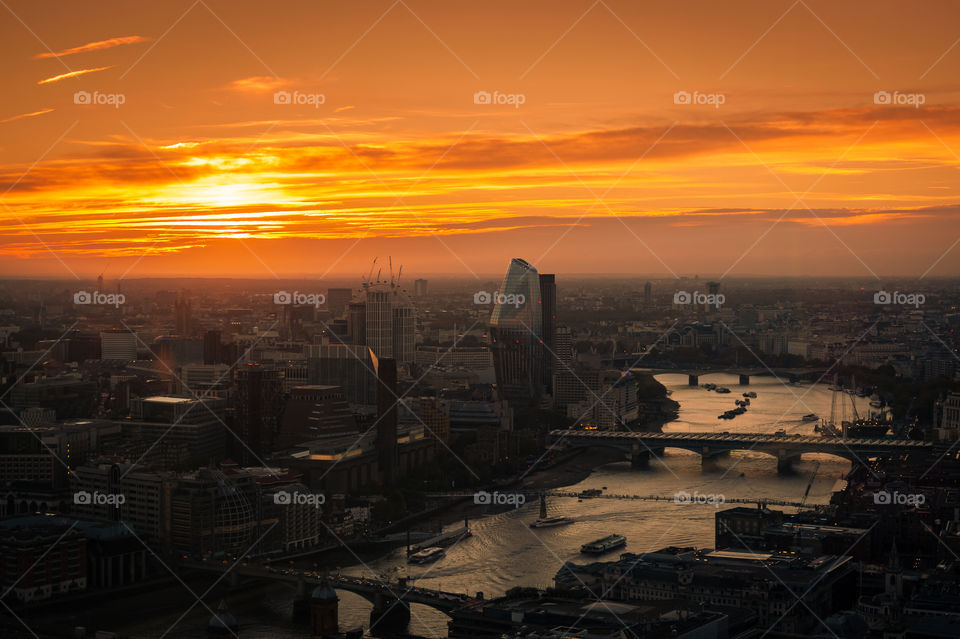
(606, 544)
(427, 555)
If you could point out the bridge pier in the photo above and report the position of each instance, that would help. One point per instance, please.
(693, 380)
(389, 614)
(744, 380)
(640, 459)
(785, 462)
(710, 458)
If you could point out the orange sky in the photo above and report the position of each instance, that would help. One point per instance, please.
(182, 162)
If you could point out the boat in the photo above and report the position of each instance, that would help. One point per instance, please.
(591, 492)
(606, 544)
(548, 522)
(710, 386)
(723, 389)
(810, 417)
(427, 555)
(750, 394)
(876, 404)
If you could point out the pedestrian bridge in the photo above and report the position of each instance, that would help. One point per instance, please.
(786, 448)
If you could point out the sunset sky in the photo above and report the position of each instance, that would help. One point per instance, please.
(182, 161)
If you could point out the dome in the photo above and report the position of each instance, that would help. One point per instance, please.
(324, 592)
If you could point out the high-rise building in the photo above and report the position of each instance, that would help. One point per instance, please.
(259, 406)
(647, 294)
(183, 317)
(436, 422)
(563, 347)
(516, 326)
(382, 317)
(420, 288)
(118, 345)
(212, 348)
(548, 313)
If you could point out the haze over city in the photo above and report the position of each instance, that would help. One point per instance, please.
(413, 319)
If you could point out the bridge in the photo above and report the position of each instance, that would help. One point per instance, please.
(391, 600)
(693, 374)
(786, 448)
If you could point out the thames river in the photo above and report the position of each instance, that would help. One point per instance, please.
(505, 552)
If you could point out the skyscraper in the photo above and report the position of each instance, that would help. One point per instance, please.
(516, 326)
(548, 312)
(259, 406)
(382, 317)
(420, 288)
(183, 318)
(647, 294)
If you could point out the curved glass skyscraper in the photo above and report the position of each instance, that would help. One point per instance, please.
(516, 326)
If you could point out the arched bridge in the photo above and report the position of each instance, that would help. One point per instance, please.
(381, 594)
(693, 374)
(786, 448)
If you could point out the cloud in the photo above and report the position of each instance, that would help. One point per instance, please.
(73, 74)
(26, 115)
(257, 84)
(93, 46)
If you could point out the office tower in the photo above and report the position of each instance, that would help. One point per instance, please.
(647, 294)
(403, 334)
(548, 314)
(182, 311)
(382, 317)
(379, 321)
(420, 288)
(212, 348)
(118, 345)
(516, 324)
(563, 341)
(357, 323)
(387, 418)
(100, 283)
(338, 299)
(258, 409)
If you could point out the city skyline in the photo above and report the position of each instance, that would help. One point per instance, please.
(185, 139)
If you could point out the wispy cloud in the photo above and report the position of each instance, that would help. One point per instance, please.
(93, 46)
(73, 74)
(26, 115)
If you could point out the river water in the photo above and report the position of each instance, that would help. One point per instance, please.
(505, 552)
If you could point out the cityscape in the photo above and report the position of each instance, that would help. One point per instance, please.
(416, 320)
